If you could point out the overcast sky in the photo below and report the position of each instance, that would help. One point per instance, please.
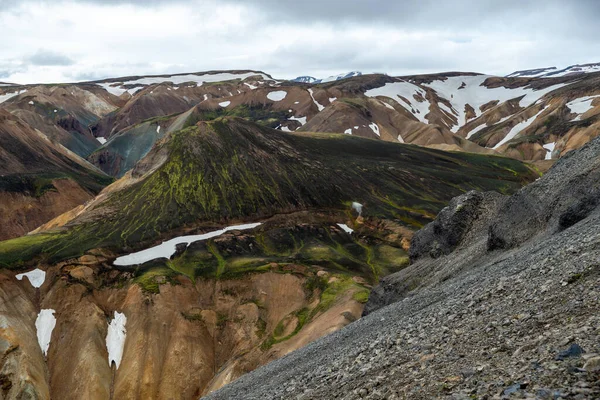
(63, 41)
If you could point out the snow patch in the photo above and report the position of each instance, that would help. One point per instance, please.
(357, 207)
(348, 131)
(225, 103)
(158, 129)
(581, 106)
(115, 338)
(474, 131)
(476, 95)
(44, 324)
(167, 249)
(446, 108)
(549, 149)
(319, 106)
(277, 95)
(332, 99)
(403, 92)
(302, 120)
(388, 106)
(400, 139)
(346, 228)
(375, 128)
(36, 277)
(6, 96)
(198, 79)
(517, 129)
(285, 129)
(101, 139)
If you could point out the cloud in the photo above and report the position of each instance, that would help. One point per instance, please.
(44, 57)
(288, 38)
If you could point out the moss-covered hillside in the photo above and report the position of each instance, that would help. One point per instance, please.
(231, 169)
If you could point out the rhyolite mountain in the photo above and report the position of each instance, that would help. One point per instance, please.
(322, 186)
(526, 118)
(39, 179)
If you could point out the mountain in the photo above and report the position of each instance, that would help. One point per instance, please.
(531, 73)
(115, 122)
(252, 216)
(305, 79)
(231, 170)
(340, 77)
(464, 320)
(39, 180)
(324, 217)
(310, 79)
(554, 72)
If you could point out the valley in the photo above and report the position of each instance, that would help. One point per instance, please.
(164, 236)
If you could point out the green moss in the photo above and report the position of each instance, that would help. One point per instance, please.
(362, 296)
(261, 327)
(219, 172)
(149, 280)
(302, 317)
(221, 320)
(315, 282)
(192, 316)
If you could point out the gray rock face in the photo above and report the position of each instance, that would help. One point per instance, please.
(566, 194)
(458, 233)
(465, 214)
(518, 321)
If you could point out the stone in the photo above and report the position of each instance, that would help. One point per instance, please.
(573, 351)
(592, 365)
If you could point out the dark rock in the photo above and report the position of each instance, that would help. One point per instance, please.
(445, 233)
(512, 389)
(580, 210)
(573, 351)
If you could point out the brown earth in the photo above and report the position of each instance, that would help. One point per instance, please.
(188, 339)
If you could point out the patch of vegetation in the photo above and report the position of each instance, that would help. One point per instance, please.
(315, 282)
(221, 320)
(192, 316)
(301, 315)
(261, 114)
(261, 327)
(150, 280)
(362, 296)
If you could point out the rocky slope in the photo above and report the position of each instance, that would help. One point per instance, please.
(39, 180)
(500, 301)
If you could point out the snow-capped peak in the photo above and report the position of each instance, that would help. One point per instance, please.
(305, 79)
(554, 72)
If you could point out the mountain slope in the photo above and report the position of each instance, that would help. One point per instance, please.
(38, 179)
(334, 214)
(231, 169)
(465, 321)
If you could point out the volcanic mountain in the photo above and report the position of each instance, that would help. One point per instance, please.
(330, 214)
(252, 216)
(533, 119)
(39, 180)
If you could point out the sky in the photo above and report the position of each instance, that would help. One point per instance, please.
(67, 41)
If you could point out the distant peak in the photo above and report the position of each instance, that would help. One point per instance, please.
(553, 72)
